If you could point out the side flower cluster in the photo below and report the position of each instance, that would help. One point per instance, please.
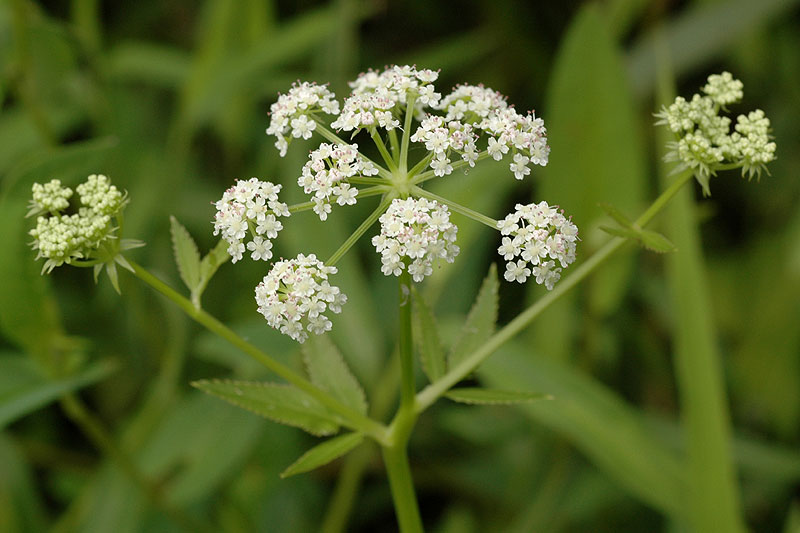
(250, 207)
(705, 141)
(538, 241)
(293, 112)
(326, 172)
(295, 294)
(414, 233)
(62, 237)
(523, 135)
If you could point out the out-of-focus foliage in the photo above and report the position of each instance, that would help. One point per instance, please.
(170, 100)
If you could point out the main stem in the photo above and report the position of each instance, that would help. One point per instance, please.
(395, 453)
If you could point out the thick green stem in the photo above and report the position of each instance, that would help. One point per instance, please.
(458, 208)
(395, 459)
(406, 344)
(102, 439)
(353, 238)
(395, 144)
(432, 392)
(350, 417)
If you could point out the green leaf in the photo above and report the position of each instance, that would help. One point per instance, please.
(324, 453)
(712, 491)
(431, 353)
(281, 403)
(480, 321)
(621, 232)
(597, 422)
(187, 256)
(328, 371)
(23, 388)
(617, 215)
(474, 396)
(656, 242)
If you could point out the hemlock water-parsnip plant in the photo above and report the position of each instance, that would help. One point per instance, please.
(419, 136)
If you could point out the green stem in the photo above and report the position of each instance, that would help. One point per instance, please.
(363, 193)
(350, 417)
(332, 137)
(406, 344)
(100, 437)
(395, 459)
(351, 240)
(387, 158)
(432, 392)
(425, 176)
(407, 133)
(395, 144)
(422, 163)
(458, 208)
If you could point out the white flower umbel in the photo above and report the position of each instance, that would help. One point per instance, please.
(523, 135)
(326, 173)
(704, 140)
(414, 233)
(377, 97)
(292, 115)
(538, 240)
(295, 294)
(62, 238)
(441, 137)
(250, 207)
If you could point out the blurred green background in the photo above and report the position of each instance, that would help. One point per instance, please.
(170, 100)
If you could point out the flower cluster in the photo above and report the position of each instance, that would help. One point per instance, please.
(294, 295)
(293, 112)
(441, 137)
(704, 138)
(539, 236)
(524, 135)
(250, 207)
(414, 233)
(61, 237)
(377, 95)
(326, 172)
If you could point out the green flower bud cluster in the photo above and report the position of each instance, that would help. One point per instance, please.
(66, 237)
(705, 142)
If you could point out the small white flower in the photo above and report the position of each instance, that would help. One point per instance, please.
(416, 232)
(540, 236)
(243, 210)
(519, 166)
(295, 294)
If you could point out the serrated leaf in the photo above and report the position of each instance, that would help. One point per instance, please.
(480, 321)
(617, 215)
(474, 396)
(329, 371)
(278, 402)
(324, 453)
(621, 232)
(187, 256)
(431, 353)
(208, 267)
(656, 242)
